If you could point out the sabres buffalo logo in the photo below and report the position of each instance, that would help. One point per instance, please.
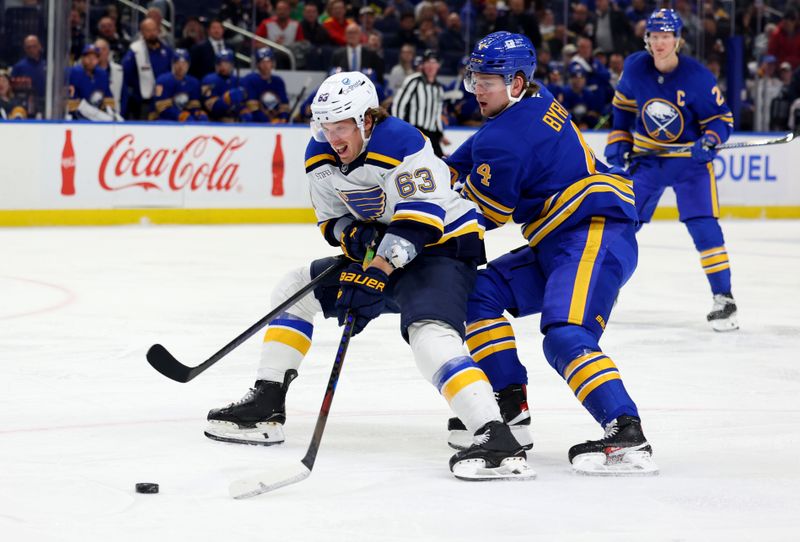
(181, 100)
(269, 100)
(96, 98)
(662, 120)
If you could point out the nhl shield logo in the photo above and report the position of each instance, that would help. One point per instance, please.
(662, 120)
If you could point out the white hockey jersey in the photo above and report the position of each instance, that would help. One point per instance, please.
(398, 181)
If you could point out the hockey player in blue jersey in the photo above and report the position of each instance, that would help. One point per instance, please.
(665, 101)
(369, 172)
(177, 95)
(223, 96)
(529, 163)
(89, 94)
(266, 92)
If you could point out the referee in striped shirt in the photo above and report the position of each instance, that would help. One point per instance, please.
(420, 99)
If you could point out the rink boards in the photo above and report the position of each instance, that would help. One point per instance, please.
(57, 173)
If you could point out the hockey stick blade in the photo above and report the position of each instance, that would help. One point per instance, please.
(168, 365)
(266, 482)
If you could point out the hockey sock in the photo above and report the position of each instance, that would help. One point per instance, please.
(492, 344)
(709, 242)
(591, 375)
(441, 358)
(288, 337)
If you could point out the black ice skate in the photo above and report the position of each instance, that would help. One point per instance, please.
(623, 451)
(723, 315)
(494, 455)
(257, 418)
(513, 402)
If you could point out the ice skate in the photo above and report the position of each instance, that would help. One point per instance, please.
(257, 418)
(723, 315)
(513, 402)
(494, 455)
(623, 451)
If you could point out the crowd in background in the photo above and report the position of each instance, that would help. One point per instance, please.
(149, 72)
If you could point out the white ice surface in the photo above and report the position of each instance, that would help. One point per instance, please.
(83, 417)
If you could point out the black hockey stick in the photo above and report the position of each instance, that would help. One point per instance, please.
(785, 138)
(269, 481)
(166, 364)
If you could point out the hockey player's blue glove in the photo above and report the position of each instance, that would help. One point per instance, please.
(362, 293)
(234, 96)
(357, 238)
(618, 153)
(704, 149)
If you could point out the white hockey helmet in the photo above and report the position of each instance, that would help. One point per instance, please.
(345, 95)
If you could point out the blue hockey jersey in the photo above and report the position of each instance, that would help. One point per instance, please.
(90, 87)
(657, 111)
(531, 164)
(266, 98)
(176, 99)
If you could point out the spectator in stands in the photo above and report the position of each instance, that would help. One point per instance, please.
(451, 39)
(313, 31)
(615, 63)
(164, 35)
(204, 55)
(712, 42)
(403, 68)
(233, 12)
(598, 80)
(580, 21)
(11, 107)
(612, 30)
(585, 105)
(193, 33)
(354, 57)
(488, 20)
(521, 21)
(427, 35)
(637, 12)
(116, 77)
(147, 58)
(366, 16)
(785, 41)
(280, 28)
(178, 93)
(263, 10)
(420, 101)
(223, 97)
(691, 24)
(89, 93)
(406, 32)
(107, 30)
(336, 23)
(28, 75)
(266, 93)
(763, 89)
(389, 22)
(77, 36)
(554, 84)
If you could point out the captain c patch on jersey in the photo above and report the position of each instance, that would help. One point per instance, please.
(662, 120)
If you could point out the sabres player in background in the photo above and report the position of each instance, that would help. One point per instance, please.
(89, 94)
(370, 172)
(223, 96)
(667, 101)
(177, 95)
(529, 163)
(266, 92)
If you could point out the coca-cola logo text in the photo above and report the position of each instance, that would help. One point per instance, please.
(204, 162)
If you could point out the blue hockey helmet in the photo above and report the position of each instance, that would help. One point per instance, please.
(225, 55)
(263, 54)
(664, 20)
(503, 53)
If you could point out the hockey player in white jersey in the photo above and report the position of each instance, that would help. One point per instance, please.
(371, 174)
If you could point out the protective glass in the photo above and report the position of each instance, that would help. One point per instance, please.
(329, 131)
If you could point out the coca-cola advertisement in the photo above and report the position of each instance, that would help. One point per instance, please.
(163, 166)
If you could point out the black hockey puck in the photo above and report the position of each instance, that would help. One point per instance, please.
(146, 487)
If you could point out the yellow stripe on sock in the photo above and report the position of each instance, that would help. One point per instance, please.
(461, 380)
(289, 337)
(594, 384)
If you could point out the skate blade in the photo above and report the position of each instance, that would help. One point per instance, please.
(632, 464)
(511, 468)
(725, 324)
(462, 439)
(263, 434)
